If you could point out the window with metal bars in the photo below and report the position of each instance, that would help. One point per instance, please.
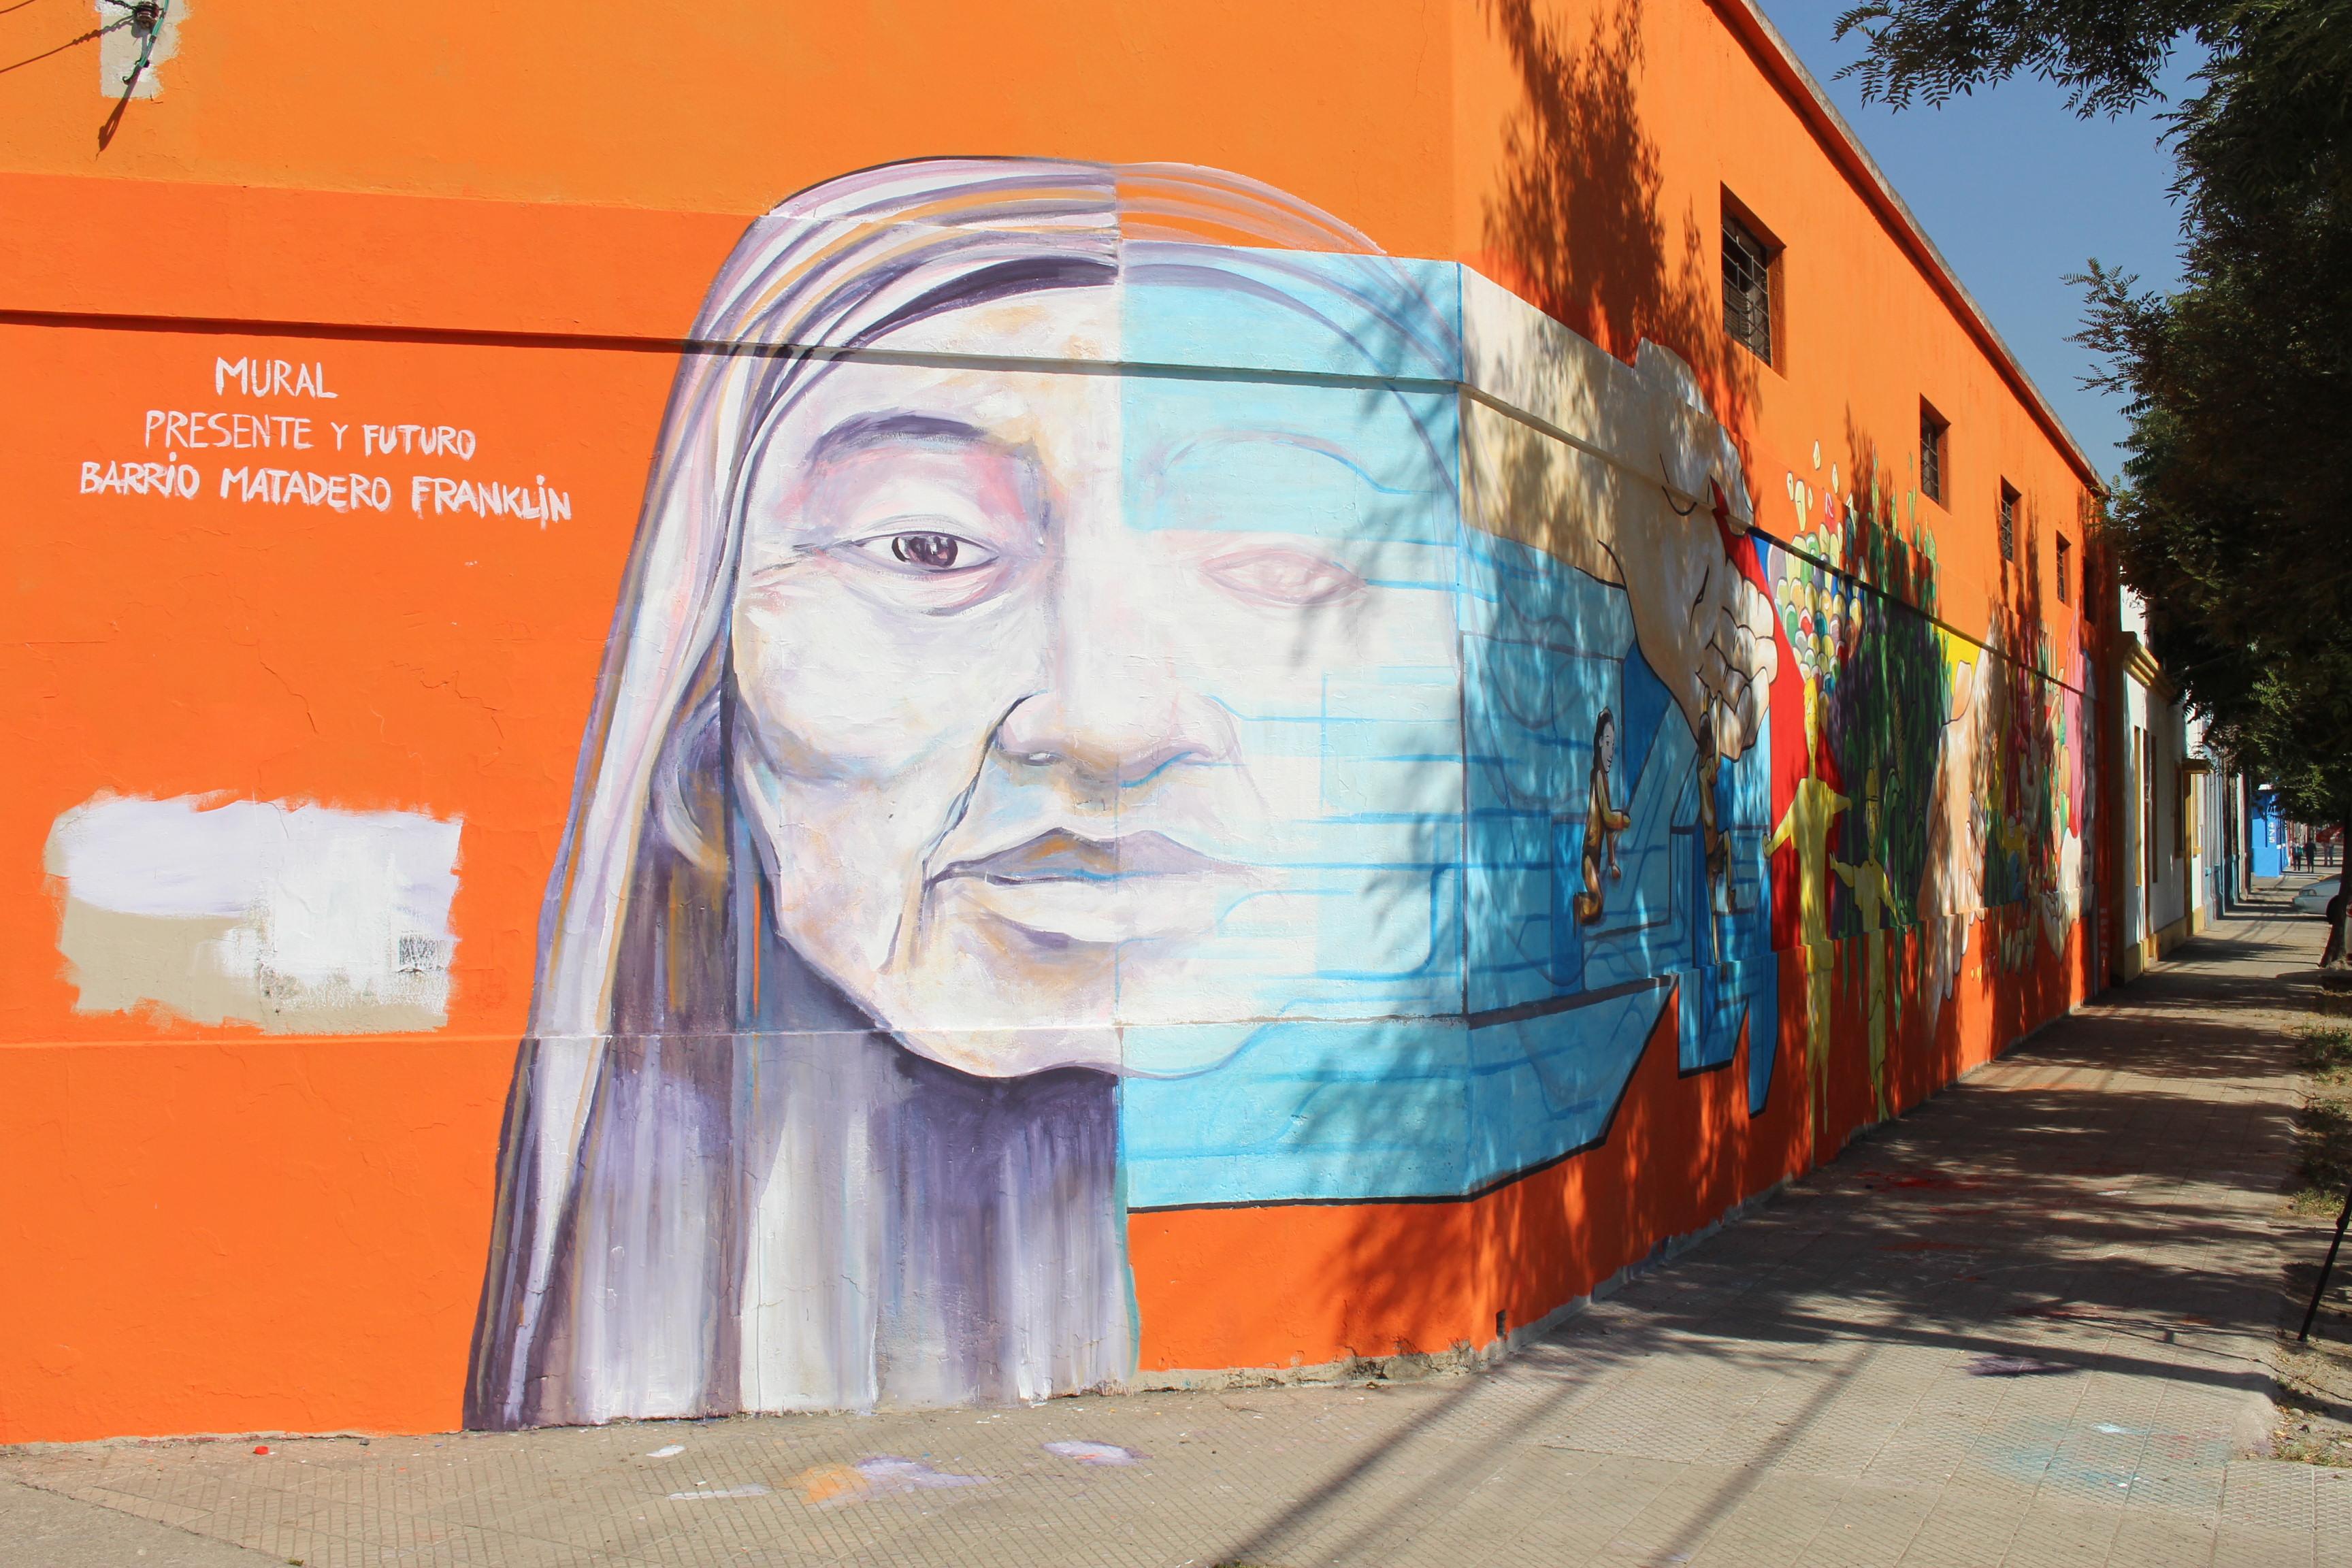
(1931, 454)
(2008, 523)
(2065, 570)
(1747, 288)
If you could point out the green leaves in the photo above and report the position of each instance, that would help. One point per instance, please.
(2106, 54)
(2234, 518)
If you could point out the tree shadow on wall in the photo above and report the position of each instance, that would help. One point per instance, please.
(1453, 1275)
(2027, 802)
(1576, 226)
(1886, 712)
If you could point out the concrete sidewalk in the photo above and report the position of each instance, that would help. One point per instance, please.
(2026, 1324)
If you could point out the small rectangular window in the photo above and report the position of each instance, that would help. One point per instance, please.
(2007, 522)
(2065, 571)
(1747, 285)
(1932, 428)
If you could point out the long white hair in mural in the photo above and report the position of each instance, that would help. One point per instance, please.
(954, 754)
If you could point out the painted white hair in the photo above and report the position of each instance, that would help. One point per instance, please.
(643, 918)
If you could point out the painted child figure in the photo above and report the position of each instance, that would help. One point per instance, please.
(1715, 843)
(1874, 898)
(1602, 821)
(1805, 827)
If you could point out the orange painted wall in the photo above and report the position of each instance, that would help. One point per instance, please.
(1432, 1277)
(476, 215)
(1595, 145)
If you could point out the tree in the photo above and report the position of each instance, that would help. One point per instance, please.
(2272, 118)
(2106, 53)
(2314, 782)
(2232, 519)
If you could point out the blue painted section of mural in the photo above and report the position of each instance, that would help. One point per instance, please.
(1221, 309)
(1547, 650)
(1460, 1018)
(1517, 843)
(1556, 1006)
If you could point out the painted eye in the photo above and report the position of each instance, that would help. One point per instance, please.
(1283, 577)
(924, 553)
(936, 550)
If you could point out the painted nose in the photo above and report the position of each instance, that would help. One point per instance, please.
(1115, 720)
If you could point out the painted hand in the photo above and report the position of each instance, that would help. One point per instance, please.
(1703, 628)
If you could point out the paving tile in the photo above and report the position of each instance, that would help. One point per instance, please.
(1872, 1528)
(2055, 1533)
(1965, 1530)
(2150, 1540)
(2252, 1546)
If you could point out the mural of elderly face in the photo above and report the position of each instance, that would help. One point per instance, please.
(1023, 659)
(1039, 661)
(1004, 695)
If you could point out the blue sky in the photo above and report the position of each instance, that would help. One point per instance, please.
(2017, 193)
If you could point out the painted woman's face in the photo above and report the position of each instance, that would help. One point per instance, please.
(1043, 675)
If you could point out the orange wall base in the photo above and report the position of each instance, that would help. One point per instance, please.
(1301, 1284)
(303, 1253)
(256, 1236)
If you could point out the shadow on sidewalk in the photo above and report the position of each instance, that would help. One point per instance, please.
(2117, 1176)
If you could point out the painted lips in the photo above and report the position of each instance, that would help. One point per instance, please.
(1060, 856)
(1068, 886)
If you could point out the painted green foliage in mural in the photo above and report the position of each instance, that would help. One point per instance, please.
(2024, 805)
(1857, 597)
(1885, 722)
(1863, 631)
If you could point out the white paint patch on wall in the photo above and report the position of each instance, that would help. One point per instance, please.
(118, 50)
(300, 919)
